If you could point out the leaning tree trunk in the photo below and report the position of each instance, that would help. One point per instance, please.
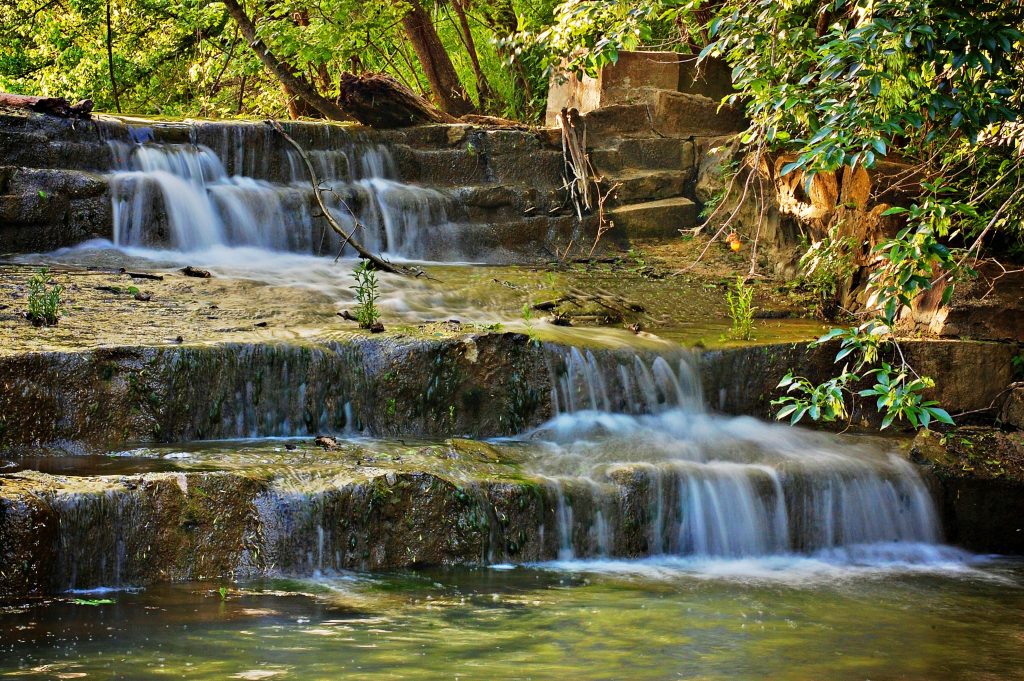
(483, 88)
(293, 83)
(437, 65)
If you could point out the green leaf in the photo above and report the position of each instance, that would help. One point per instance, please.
(92, 601)
(790, 167)
(786, 411)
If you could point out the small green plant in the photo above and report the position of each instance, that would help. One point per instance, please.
(898, 392)
(367, 293)
(1018, 365)
(528, 321)
(44, 301)
(223, 592)
(639, 261)
(741, 310)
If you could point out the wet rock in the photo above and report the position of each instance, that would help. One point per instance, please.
(980, 471)
(327, 443)
(190, 271)
(969, 375)
(109, 396)
(1012, 413)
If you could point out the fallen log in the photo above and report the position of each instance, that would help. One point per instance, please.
(380, 101)
(54, 106)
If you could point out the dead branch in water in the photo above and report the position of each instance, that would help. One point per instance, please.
(378, 262)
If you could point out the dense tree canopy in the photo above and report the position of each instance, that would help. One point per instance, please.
(189, 57)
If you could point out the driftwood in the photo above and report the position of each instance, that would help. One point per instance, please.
(380, 101)
(55, 106)
(378, 262)
(579, 174)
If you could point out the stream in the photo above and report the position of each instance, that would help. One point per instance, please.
(668, 541)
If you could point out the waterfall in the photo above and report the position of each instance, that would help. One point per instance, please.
(664, 477)
(621, 382)
(182, 196)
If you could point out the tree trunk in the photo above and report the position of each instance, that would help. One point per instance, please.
(483, 88)
(293, 83)
(297, 106)
(380, 101)
(110, 60)
(437, 65)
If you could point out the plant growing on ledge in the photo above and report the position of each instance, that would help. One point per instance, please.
(898, 391)
(741, 310)
(367, 293)
(44, 302)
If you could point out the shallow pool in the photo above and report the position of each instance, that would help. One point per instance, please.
(780, 618)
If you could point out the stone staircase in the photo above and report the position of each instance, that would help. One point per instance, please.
(506, 201)
(646, 152)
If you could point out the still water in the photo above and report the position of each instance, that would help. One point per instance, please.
(780, 618)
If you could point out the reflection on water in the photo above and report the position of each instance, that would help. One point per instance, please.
(522, 623)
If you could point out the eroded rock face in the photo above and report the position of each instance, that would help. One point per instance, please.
(59, 533)
(981, 474)
(1012, 413)
(482, 385)
(989, 307)
(455, 503)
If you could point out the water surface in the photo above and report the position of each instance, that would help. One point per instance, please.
(655, 620)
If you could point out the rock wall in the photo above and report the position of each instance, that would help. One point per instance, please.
(482, 385)
(981, 476)
(971, 376)
(486, 385)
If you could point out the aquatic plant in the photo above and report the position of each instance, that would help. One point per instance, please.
(741, 310)
(367, 293)
(44, 301)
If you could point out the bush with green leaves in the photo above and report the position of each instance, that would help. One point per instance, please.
(837, 84)
(897, 391)
(44, 301)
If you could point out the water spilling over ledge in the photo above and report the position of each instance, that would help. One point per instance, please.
(445, 193)
(628, 465)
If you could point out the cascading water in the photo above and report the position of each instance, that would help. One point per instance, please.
(183, 196)
(706, 486)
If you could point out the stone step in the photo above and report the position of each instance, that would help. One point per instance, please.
(663, 218)
(670, 114)
(653, 153)
(645, 185)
